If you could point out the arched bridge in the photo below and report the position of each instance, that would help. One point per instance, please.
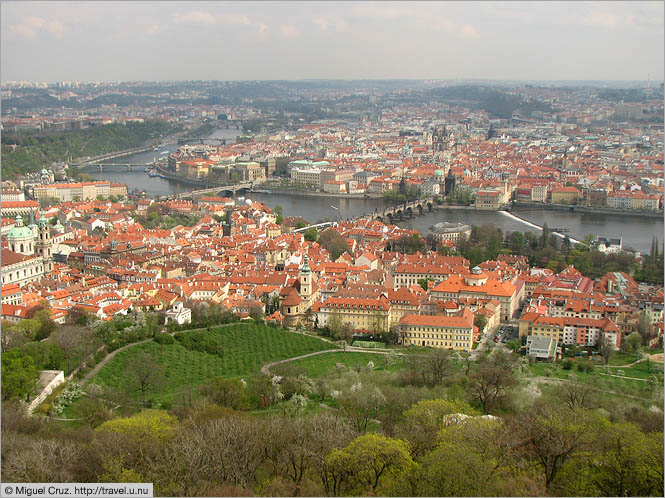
(214, 190)
(116, 166)
(402, 211)
(200, 140)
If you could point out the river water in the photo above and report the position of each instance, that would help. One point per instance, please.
(636, 231)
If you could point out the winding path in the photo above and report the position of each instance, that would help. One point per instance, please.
(108, 357)
(265, 369)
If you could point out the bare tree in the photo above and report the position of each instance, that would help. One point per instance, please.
(145, 375)
(439, 365)
(551, 436)
(489, 386)
(606, 350)
(76, 341)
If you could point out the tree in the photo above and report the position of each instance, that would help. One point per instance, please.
(410, 244)
(311, 235)
(225, 392)
(11, 336)
(544, 236)
(423, 421)
(644, 326)
(333, 242)
(470, 458)
(363, 463)
(621, 461)
(424, 283)
(606, 350)
(19, 375)
(551, 436)
(488, 386)
(574, 395)
(145, 374)
(514, 345)
(362, 404)
(338, 329)
(631, 343)
(300, 444)
(76, 341)
(439, 365)
(225, 450)
(480, 321)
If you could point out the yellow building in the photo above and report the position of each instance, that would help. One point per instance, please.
(565, 195)
(488, 199)
(439, 331)
(359, 314)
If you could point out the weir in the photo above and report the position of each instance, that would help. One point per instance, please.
(526, 222)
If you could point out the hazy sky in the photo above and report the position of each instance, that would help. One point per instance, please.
(113, 41)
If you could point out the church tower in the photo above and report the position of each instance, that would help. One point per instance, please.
(44, 244)
(305, 280)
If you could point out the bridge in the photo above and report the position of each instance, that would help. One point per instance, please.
(407, 209)
(112, 155)
(317, 226)
(213, 190)
(187, 140)
(122, 166)
(401, 211)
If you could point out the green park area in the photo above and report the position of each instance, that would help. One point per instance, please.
(242, 349)
(328, 363)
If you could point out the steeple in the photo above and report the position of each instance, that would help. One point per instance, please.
(305, 279)
(44, 245)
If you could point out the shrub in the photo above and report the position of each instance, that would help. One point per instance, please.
(70, 393)
(581, 367)
(164, 339)
(198, 341)
(567, 364)
(100, 355)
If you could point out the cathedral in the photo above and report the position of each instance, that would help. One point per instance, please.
(29, 256)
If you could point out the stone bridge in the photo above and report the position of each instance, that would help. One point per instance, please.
(214, 190)
(401, 211)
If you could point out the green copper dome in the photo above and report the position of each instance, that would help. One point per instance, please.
(19, 231)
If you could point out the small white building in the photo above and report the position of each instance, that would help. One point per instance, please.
(609, 246)
(179, 314)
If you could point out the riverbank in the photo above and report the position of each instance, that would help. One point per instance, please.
(586, 209)
(305, 193)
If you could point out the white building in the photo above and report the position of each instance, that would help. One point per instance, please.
(179, 314)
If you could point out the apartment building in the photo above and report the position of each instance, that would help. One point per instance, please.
(359, 314)
(78, 191)
(439, 331)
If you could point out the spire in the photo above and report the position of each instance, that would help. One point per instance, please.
(305, 266)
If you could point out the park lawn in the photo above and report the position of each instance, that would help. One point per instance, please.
(321, 365)
(597, 377)
(619, 359)
(247, 347)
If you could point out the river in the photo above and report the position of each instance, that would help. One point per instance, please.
(636, 231)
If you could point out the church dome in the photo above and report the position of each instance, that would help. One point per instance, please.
(439, 173)
(19, 232)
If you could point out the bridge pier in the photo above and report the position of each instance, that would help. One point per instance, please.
(101, 168)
